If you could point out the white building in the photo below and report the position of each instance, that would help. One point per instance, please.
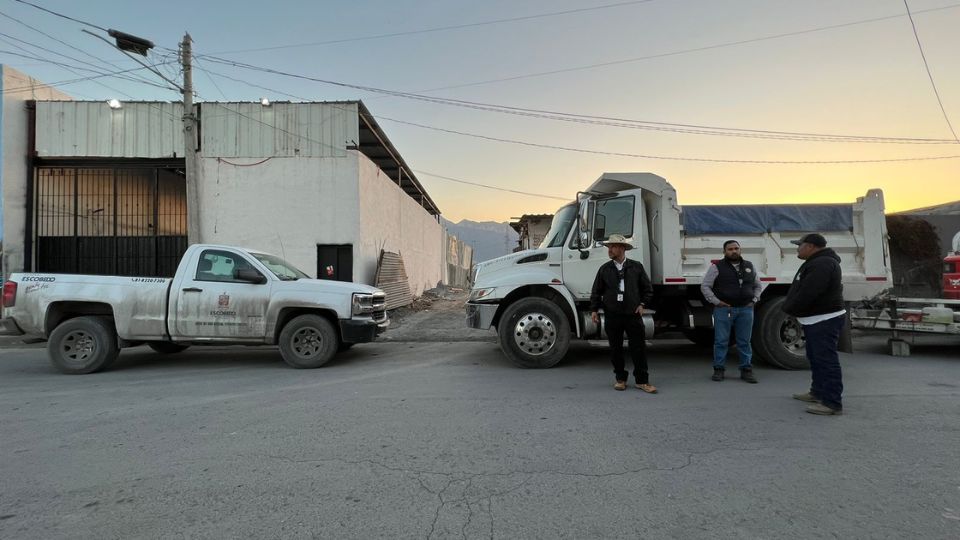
(318, 183)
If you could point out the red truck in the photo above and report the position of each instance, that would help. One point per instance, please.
(951, 276)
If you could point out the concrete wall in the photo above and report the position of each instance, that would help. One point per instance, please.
(391, 220)
(285, 206)
(15, 90)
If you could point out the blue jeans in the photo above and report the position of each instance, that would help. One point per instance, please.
(821, 343)
(740, 320)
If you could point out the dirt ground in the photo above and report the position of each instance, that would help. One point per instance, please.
(438, 315)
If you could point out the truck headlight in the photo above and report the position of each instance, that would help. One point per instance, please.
(362, 304)
(477, 294)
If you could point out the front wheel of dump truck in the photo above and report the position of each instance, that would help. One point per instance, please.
(778, 337)
(83, 345)
(534, 333)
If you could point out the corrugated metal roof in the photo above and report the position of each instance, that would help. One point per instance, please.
(280, 129)
(93, 129)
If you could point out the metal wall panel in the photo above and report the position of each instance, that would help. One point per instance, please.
(93, 129)
(281, 129)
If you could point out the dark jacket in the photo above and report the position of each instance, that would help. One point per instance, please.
(735, 287)
(817, 287)
(637, 288)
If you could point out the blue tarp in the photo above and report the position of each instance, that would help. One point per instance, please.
(761, 218)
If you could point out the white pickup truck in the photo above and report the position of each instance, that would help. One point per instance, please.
(538, 299)
(220, 295)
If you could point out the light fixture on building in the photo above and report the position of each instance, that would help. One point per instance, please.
(114, 103)
(265, 102)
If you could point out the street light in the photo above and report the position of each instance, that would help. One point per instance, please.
(114, 103)
(265, 102)
(127, 42)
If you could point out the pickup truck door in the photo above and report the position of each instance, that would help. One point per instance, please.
(606, 216)
(212, 303)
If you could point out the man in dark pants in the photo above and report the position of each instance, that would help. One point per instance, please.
(816, 300)
(733, 287)
(622, 289)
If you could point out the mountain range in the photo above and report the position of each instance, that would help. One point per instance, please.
(489, 239)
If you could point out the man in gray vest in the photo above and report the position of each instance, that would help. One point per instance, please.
(733, 287)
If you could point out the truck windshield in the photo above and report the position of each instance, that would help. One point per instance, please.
(560, 227)
(280, 268)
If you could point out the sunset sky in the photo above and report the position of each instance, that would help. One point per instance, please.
(863, 78)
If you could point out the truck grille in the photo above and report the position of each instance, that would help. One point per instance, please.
(379, 306)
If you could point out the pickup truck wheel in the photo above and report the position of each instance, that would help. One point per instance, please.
(165, 347)
(308, 341)
(534, 333)
(778, 337)
(83, 345)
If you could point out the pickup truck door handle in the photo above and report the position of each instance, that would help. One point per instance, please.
(192, 289)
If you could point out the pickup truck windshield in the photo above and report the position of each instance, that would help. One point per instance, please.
(560, 227)
(280, 268)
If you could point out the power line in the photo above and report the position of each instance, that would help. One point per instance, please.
(929, 75)
(670, 158)
(62, 42)
(212, 80)
(599, 120)
(74, 68)
(487, 186)
(438, 28)
(98, 69)
(71, 81)
(679, 52)
(61, 15)
(624, 154)
(434, 175)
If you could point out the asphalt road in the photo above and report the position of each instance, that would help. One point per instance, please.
(441, 440)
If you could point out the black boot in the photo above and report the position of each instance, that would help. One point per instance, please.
(747, 375)
(717, 374)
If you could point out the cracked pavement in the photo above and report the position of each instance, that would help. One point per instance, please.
(447, 440)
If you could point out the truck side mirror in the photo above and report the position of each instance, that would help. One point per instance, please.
(584, 240)
(249, 275)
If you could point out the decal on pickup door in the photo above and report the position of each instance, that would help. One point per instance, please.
(223, 302)
(47, 279)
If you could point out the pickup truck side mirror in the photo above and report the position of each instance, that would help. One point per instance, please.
(249, 275)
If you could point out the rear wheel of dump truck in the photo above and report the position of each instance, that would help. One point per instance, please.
(308, 341)
(778, 337)
(534, 333)
(83, 345)
(165, 347)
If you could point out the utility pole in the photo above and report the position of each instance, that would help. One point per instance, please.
(190, 143)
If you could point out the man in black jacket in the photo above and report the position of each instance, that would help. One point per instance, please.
(816, 300)
(623, 289)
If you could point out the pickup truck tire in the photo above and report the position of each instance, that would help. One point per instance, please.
(308, 341)
(165, 347)
(83, 345)
(778, 337)
(534, 333)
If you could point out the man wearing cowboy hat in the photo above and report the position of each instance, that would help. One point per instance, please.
(623, 289)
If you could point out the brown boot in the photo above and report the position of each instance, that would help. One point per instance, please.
(620, 385)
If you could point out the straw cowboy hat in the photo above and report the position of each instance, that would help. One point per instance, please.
(618, 239)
